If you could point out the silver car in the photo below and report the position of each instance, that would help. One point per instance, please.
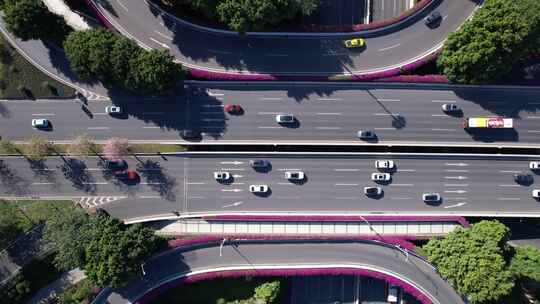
(450, 108)
(284, 118)
(366, 135)
(40, 123)
(294, 175)
(534, 165)
(222, 176)
(113, 110)
(258, 188)
(380, 177)
(384, 164)
(431, 197)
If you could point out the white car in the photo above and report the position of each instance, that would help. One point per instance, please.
(222, 175)
(294, 175)
(380, 177)
(113, 110)
(536, 193)
(373, 191)
(534, 165)
(40, 123)
(393, 294)
(284, 118)
(384, 164)
(258, 188)
(431, 197)
(450, 107)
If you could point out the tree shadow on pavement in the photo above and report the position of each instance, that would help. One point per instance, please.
(75, 171)
(43, 173)
(4, 111)
(11, 182)
(157, 179)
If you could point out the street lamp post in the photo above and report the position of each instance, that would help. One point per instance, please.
(142, 268)
(221, 246)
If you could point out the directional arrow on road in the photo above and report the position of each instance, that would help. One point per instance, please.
(456, 177)
(232, 190)
(232, 162)
(233, 204)
(456, 205)
(457, 164)
(455, 191)
(236, 175)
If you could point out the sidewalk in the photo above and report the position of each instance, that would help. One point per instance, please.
(67, 279)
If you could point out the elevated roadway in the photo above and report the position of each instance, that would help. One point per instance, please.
(183, 185)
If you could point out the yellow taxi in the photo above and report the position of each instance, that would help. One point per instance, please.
(354, 43)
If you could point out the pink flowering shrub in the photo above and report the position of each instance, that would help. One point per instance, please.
(116, 148)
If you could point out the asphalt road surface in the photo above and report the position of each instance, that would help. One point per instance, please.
(249, 255)
(385, 9)
(185, 185)
(326, 114)
(283, 54)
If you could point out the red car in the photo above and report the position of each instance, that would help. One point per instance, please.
(128, 175)
(233, 109)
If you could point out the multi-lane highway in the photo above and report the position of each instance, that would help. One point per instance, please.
(326, 114)
(283, 53)
(258, 256)
(469, 185)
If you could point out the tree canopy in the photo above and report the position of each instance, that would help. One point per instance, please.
(115, 60)
(30, 19)
(474, 260)
(485, 48)
(526, 263)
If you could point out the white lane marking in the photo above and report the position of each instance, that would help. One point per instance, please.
(269, 113)
(510, 171)
(42, 184)
(327, 128)
(457, 164)
(43, 114)
(402, 185)
(271, 98)
(444, 101)
(196, 183)
(455, 191)
(196, 197)
(439, 115)
(232, 169)
(444, 130)
(383, 128)
(149, 196)
(98, 183)
(456, 177)
(237, 175)
(236, 162)
(509, 198)
(163, 35)
(154, 127)
(382, 114)
(153, 113)
(98, 128)
(401, 198)
(289, 169)
(328, 114)
(122, 5)
(387, 99)
(211, 106)
(456, 170)
(456, 205)
(219, 52)
(160, 43)
(277, 55)
(346, 170)
(329, 99)
(390, 47)
(406, 170)
(345, 184)
(286, 184)
(533, 131)
(456, 185)
(212, 119)
(445, 16)
(232, 190)
(93, 169)
(509, 185)
(269, 127)
(151, 183)
(533, 117)
(233, 204)
(239, 183)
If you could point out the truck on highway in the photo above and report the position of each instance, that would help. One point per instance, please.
(488, 122)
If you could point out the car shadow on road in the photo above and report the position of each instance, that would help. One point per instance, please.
(493, 135)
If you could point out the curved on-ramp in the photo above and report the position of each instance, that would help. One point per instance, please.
(284, 54)
(263, 258)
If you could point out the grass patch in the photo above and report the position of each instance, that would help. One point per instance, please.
(77, 293)
(38, 210)
(154, 148)
(11, 148)
(20, 79)
(219, 291)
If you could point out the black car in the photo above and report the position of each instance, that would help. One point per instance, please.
(116, 165)
(190, 134)
(524, 179)
(259, 163)
(433, 19)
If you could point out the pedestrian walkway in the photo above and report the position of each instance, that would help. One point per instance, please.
(67, 279)
(199, 226)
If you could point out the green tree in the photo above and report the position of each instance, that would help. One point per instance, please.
(115, 251)
(473, 260)
(66, 231)
(122, 51)
(526, 263)
(30, 19)
(484, 49)
(153, 72)
(267, 293)
(88, 53)
(12, 223)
